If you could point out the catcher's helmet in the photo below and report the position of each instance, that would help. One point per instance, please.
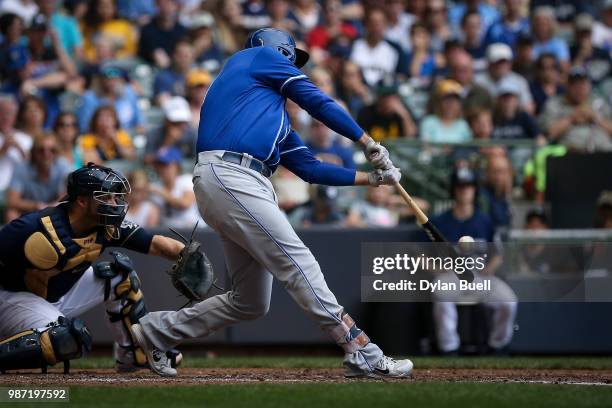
(280, 41)
(105, 185)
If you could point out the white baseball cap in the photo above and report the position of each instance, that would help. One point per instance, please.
(499, 52)
(176, 109)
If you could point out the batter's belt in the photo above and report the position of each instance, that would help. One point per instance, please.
(245, 160)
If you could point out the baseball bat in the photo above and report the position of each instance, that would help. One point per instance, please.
(430, 229)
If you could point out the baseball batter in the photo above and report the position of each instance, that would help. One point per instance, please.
(47, 278)
(244, 135)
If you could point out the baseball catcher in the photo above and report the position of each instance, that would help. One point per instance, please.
(47, 276)
(245, 133)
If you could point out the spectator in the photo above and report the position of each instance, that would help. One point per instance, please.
(106, 140)
(602, 30)
(461, 69)
(375, 56)
(102, 19)
(109, 87)
(495, 194)
(480, 122)
(174, 192)
(207, 53)
(25, 9)
(254, 14)
(229, 30)
(323, 144)
(387, 118)
(175, 133)
(306, 14)
(421, 61)
(511, 122)
(14, 145)
(536, 220)
(604, 211)
(579, 120)
(465, 219)
(564, 11)
(373, 211)
(510, 26)
(279, 16)
(417, 9)
(31, 116)
(594, 59)
(473, 39)
(159, 37)
(332, 29)
(488, 14)
(323, 80)
(38, 184)
(352, 88)
(171, 81)
(197, 83)
(65, 27)
(400, 21)
(446, 124)
(66, 131)
(141, 210)
(11, 31)
(547, 83)
(139, 11)
(544, 28)
(524, 62)
(291, 190)
(499, 57)
(438, 25)
(320, 210)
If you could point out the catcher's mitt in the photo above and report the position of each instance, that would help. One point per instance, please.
(192, 274)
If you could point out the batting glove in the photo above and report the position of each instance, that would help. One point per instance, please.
(384, 177)
(378, 155)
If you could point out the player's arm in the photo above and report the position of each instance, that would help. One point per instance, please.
(166, 247)
(300, 160)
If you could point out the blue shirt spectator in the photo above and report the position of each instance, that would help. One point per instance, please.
(488, 14)
(505, 32)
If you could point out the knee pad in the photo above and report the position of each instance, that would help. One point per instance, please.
(61, 341)
(128, 292)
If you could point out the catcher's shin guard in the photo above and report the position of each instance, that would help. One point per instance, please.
(64, 340)
(127, 304)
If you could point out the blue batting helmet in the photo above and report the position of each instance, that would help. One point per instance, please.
(279, 40)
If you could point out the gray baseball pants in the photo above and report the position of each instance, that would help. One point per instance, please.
(259, 243)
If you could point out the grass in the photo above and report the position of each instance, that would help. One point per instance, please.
(358, 394)
(354, 395)
(594, 363)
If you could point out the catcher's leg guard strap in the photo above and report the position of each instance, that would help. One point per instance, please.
(132, 309)
(63, 340)
(348, 336)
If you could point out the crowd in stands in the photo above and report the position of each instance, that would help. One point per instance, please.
(121, 82)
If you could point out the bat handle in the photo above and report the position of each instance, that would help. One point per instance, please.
(418, 213)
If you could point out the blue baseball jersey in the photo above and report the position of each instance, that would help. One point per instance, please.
(244, 112)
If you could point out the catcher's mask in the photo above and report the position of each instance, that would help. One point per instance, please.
(108, 187)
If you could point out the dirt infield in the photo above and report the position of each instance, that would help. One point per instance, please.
(195, 376)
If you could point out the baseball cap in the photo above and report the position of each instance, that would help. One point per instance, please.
(168, 155)
(328, 194)
(448, 87)
(176, 109)
(39, 23)
(577, 72)
(388, 85)
(499, 52)
(200, 20)
(17, 57)
(605, 199)
(583, 22)
(508, 86)
(537, 212)
(197, 77)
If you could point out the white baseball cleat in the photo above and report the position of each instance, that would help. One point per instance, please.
(386, 367)
(157, 359)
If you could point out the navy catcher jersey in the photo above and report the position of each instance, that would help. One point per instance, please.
(39, 254)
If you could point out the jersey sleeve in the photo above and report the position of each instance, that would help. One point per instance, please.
(299, 159)
(277, 72)
(133, 237)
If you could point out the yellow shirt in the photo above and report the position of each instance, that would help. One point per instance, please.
(122, 35)
(106, 149)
